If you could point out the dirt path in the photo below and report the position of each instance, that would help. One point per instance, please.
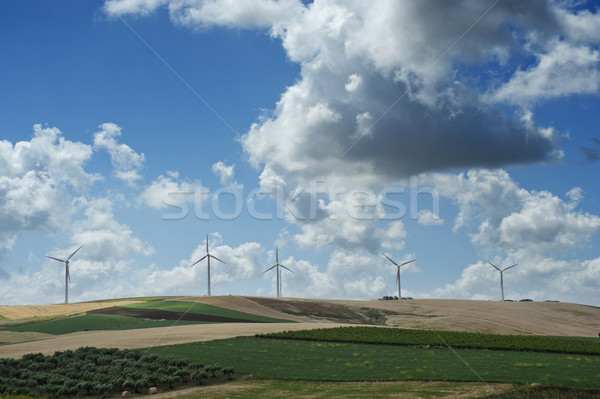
(148, 337)
(322, 389)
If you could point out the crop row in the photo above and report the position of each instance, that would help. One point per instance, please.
(93, 371)
(433, 338)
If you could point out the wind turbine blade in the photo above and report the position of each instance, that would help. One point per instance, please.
(214, 257)
(289, 270)
(199, 260)
(60, 260)
(207, 243)
(391, 260)
(276, 254)
(406, 263)
(506, 268)
(74, 252)
(67, 272)
(269, 269)
(494, 266)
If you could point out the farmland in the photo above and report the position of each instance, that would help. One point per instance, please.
(203, 309)
(91, 322)
(314, 355)
(329, 361)
(145, 314)
(398, 336)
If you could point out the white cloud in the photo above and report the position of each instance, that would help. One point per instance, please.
(126, 162)
(226, 174)
(142, 7)
(562, 71)
(36, 181)
(428, 218)
(354, 82)
(358, 59)
(582, 26)
(230, 13)
(104, 238)
(167, 191)
(507, 216)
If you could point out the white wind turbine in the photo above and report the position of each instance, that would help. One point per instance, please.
(501, 275)
(398, 273)
(67, 274)
(277, 265)
(207, 257)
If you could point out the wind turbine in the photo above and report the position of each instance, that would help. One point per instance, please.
(501, 275)
(207, 257)
(398, 274)
(277, 265)
(67, 275)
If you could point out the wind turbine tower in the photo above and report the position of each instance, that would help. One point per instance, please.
(398, 273)
(501, 275)
(67, 274)
(277, 265)
(207, 257)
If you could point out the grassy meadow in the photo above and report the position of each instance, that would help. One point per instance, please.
(94, 322)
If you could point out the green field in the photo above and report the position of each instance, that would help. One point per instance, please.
(93, 322)
(454, 339)
(201, 308)
(328, 361)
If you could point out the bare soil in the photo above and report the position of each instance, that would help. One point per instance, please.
(326, 311)
(11, 337)
(540, 318)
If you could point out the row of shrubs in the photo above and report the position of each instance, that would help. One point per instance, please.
(455, 339)
(94, 371)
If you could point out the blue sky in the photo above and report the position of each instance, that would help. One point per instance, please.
(116, 116)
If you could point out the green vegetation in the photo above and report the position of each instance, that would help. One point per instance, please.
(92, 322)
(15, 396)
(443, 339)
(93, 371)
(201, 308)
(304, 360)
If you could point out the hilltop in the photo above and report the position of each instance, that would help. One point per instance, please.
(243, 316)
